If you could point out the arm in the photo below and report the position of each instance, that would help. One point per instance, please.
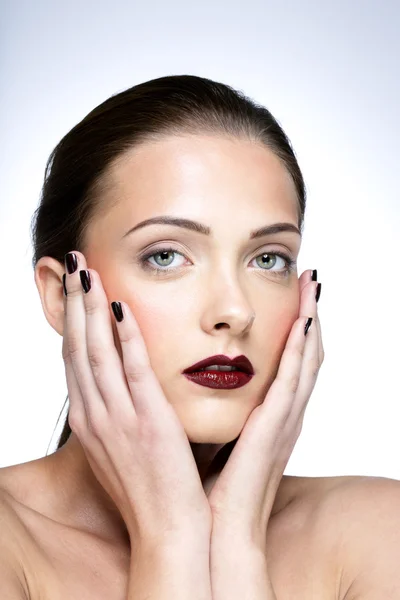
(165, 572)
(239, 572)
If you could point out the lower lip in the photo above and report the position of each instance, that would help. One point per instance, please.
(222, 380)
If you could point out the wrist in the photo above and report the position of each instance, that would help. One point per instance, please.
(231, 539)
(239, 570)
(170, 545)
(171, 570)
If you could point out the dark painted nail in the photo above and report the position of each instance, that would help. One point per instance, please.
(314, 275)
(117, 310)
(308, 325)
(65, 289)
(71, 262)
(318, 293)
(85, 280)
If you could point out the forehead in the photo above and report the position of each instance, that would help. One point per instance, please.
(200, 176)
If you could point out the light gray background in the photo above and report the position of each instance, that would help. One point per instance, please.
(330, 73)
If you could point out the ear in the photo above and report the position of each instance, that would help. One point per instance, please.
(48, 279)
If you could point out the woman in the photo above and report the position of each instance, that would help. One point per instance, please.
(168, 233)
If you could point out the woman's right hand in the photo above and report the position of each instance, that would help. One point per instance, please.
(131, 435)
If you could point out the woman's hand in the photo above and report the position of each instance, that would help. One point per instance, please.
(242, 497)
(131, 435)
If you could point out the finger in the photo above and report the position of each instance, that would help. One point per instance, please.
(76, 414)
(105, 363)
(282, 393)
(148, 396)
(318, 327)
(284, 387)
(304, 280)
(311, 358)
(76, 345)
(321, 344)
(129, 387)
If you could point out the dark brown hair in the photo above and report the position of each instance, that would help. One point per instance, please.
(76, 171)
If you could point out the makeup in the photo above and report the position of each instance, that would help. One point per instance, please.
(224, 380)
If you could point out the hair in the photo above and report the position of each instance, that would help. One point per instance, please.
(76, 171)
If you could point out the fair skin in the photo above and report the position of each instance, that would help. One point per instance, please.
(324, 535)
(211, 180)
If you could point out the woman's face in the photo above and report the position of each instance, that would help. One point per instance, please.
(202, 299)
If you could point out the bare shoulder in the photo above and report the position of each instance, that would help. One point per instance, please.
(12, 574)
(359, 518)
(303, 560)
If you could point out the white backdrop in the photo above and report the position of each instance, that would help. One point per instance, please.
(329, 72)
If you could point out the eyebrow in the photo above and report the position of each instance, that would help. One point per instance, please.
(205, 230)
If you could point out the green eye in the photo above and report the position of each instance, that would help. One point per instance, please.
(165, 260)
(164, 257)
(265, 260)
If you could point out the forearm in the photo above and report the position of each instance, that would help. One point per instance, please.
(239, 573)
(165, 573)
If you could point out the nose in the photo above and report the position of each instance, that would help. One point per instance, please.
(227, 308)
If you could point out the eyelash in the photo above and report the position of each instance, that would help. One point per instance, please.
(290, 264)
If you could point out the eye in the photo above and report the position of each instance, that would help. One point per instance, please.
(269, 259)
(164, 258)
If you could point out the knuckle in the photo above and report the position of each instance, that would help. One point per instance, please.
(96, 357)
(74, 291)
(135, 375)
(97, 426)
(76, 421)
(127, 335)
(91, 308)
(314, 368)
(137, 371)
(65, 352)
(297, 351)
(72, 344)
(293, 383)
(299, 429)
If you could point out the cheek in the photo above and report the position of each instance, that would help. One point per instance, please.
(157, 315)
(160, 320)
(282, 326)
(165, 321)
(162, 323)
(277, 327)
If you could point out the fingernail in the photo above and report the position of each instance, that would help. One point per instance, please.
(314, 275)
(318, 293)
(85, 280)
(64, 278)
(71, 262)
(308, 325)
(117, 310)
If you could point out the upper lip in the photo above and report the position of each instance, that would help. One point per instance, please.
(241, 362)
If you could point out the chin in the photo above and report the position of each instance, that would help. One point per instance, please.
(218, 433)
(212, 420)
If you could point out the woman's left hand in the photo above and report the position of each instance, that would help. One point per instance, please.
(243, 496)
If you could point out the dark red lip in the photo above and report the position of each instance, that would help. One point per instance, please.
(241, 362)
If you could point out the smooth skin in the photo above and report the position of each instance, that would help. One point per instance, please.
(132, 437)
(217, 298)
(206, 302)
(151, 447)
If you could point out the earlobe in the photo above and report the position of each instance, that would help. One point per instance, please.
(48, 278)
